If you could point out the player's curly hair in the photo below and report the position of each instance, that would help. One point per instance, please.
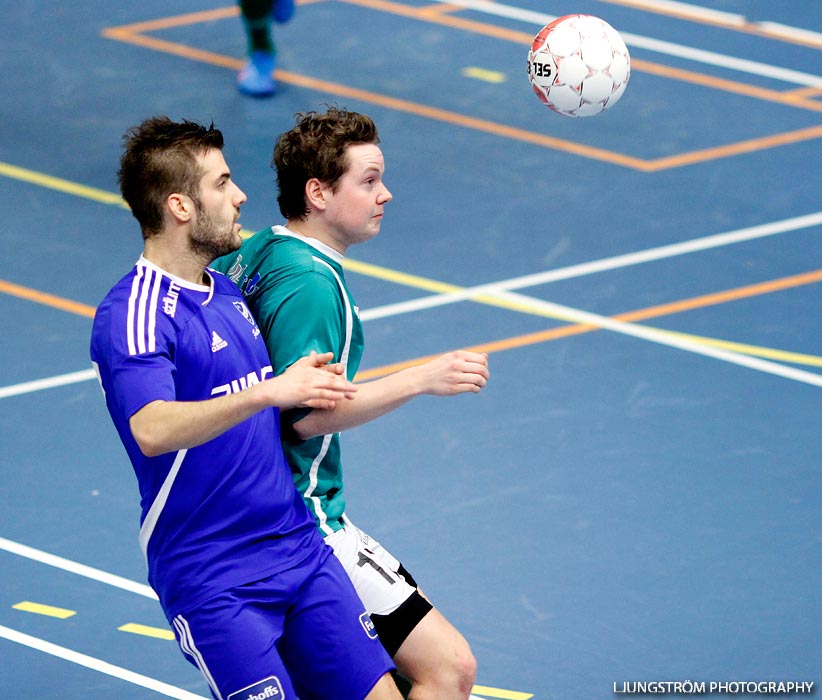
(159, 158)
(315, 148)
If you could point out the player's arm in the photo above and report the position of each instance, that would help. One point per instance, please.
(167, 426)
(454, 373)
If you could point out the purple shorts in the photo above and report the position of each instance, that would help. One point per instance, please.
(300, 633)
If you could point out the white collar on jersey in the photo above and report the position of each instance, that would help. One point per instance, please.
(179, 281)
(313, 242)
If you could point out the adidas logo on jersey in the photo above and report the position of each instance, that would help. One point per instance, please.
(217, 343)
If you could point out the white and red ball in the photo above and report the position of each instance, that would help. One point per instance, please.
(578, 65)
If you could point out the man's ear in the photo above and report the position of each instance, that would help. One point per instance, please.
(180, 207)
(315, 194)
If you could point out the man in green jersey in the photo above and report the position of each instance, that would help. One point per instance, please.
(332, 195)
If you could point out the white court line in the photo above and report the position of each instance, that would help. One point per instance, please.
(617, 262)
(95, 664)
(791, 32)
(667, 48)
(695, 11)
(728, 19)
(663, 338)
(75, 568)
(572, 271)
(74, 656)
(49, 383)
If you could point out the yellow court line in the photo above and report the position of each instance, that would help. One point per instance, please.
(60, 185)
(132, 34)
(418, 282)
(41, 609)
(489, 692)
(640, 314)
(795, 358)
(402, 278)
(484, 74)
(146, 631)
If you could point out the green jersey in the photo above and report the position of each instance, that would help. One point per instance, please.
(296, 290)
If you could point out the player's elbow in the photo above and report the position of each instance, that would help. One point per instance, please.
(151, 450)
(303, 431)
(312, 425)
(148, 433)
(150, 445)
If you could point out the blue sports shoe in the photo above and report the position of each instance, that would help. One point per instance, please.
(283, 10)
(255, 78)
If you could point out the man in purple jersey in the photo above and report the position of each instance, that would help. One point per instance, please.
(257, 601)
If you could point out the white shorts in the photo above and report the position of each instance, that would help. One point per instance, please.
(373, 570)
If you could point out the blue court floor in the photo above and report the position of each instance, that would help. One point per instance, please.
(634, 498)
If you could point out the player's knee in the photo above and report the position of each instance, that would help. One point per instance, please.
(464, 670)
(455, 678)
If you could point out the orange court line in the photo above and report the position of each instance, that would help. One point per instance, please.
(638, 315)
(515, 133)
(432, 14)
(175, 49)
(466, 121)
(746, 292)
(793, 98)
(176, 21)
(703, 301)
(735, 149)
(132, 34)
(74, 307)
(806, 92)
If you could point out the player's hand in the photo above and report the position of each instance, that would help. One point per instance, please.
(458, 372)
(323, 360)
(312, 383)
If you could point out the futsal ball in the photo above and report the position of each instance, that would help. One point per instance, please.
(578, 65)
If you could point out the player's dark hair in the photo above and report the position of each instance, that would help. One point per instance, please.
(159, 158)
(316, 147)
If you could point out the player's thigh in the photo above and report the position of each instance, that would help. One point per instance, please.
(379, 578)
(329, 644)
(232, 640)
(387, 589)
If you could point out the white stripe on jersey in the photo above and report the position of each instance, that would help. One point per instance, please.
(349, 316)
(312, 479)
(315, 465)
(152, 314)
(153, 515)
(189, 648)
(142, 310)
(135, 287)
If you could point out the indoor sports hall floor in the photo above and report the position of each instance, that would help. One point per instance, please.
(636, 495)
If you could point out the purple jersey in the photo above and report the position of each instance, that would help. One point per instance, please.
(224, 513)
